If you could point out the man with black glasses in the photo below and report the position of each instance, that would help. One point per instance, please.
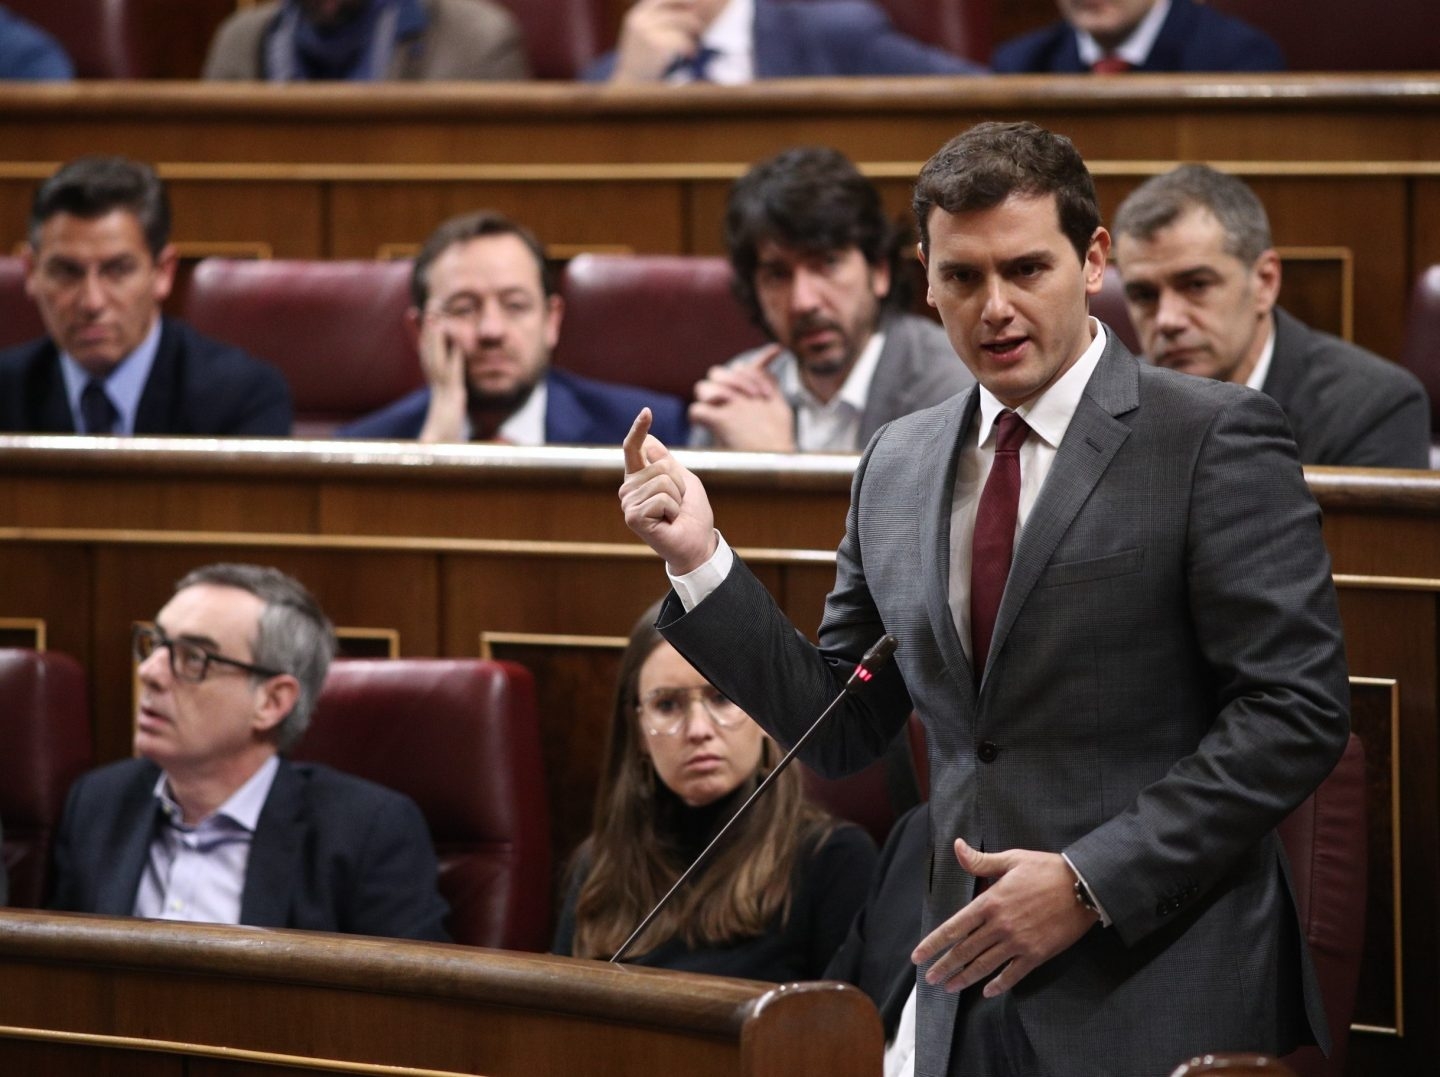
(210, 823)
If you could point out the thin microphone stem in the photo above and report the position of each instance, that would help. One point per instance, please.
(877, 656)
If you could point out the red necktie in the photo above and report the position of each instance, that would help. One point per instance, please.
(995, 535)
(1111, 65)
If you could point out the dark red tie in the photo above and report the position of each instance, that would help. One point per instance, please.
(995, 535)
(1111, 65)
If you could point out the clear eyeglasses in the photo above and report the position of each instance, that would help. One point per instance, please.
(664, 711)
(188, 660)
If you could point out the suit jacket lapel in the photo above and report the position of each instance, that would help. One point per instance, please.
(937, 494)
(137, 817)
(1091, 441)
(157, 413)
(274, 864)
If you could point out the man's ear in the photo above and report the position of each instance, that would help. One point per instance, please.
(277, 698)
(925, 265)
(165, 264)
(1096, 257)
(1265, 278)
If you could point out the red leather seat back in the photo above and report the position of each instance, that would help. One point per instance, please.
(46, 721)
(335, 329)
(561, 36)
(19, 316)
(1325, 842)
(657, 321)
(129, 39)
(1339, 35)
(1420, 353)
(461, 738)
(875, 797)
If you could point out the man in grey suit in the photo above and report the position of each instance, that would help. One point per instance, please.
(816, 263)
(1201, 282)
(1119, 713)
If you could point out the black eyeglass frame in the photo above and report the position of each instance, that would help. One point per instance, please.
(142, 636)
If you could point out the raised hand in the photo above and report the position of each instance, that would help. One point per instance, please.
(663, 502)
(443, 363)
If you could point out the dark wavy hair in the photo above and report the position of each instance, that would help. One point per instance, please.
(810, 199)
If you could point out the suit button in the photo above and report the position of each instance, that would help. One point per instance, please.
(988, 751)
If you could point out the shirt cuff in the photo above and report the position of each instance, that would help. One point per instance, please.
(700, 583)
(1105, 920)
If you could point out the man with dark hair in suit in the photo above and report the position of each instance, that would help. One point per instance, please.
(1115, 36)
(485, 317)
(210, 823)
(738, 41)
(99, 264)
(816, 262)
(1116, 619)
(1201, 282)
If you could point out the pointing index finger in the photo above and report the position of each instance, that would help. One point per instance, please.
(634, 443)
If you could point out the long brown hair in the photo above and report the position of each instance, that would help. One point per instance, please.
(632, 862)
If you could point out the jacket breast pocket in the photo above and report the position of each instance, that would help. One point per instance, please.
(1093, 568)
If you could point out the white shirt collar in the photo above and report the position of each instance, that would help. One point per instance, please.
(1048, 415)
(1257, 377)
(732, 36)
(1135, 49)
(124, 385)
(242, 806)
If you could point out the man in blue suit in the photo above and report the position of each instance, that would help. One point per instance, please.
(1114, 36)
(99, 265)
(485, 319)
(736, 41)
(210, 823)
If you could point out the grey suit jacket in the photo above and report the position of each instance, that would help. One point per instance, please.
(463, 39)
(1348, 407)
(917, 368)
(1167, 681)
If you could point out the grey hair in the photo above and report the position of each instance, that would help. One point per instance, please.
(1159, 201)
(293, 636)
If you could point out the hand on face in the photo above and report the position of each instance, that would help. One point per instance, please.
(663, 502)
(443, 363)
(743, 407)
(656, 33)
(1026, 916)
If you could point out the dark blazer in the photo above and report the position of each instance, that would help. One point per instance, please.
(819, 38)
(197, 386)
(1192, 38)
(331, 853)
(1348, 407)
(875, 956)
(578, 411)
(1166, 682)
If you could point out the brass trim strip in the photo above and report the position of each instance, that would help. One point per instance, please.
(390, 636)
(660, 171)
(1386, 583)
(382, 543)
(489, 640)
(1396, 840)
(35, 624)
(231, 1054)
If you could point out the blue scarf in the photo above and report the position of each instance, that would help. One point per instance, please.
(358, 50)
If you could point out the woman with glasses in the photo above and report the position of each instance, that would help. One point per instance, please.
(774, 900)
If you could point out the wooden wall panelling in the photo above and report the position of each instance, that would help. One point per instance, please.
(52, 587)
(1392, 633)
(579, 212)
(1424, 228)
(289, 216)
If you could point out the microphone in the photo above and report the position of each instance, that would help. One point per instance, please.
(870, 663)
